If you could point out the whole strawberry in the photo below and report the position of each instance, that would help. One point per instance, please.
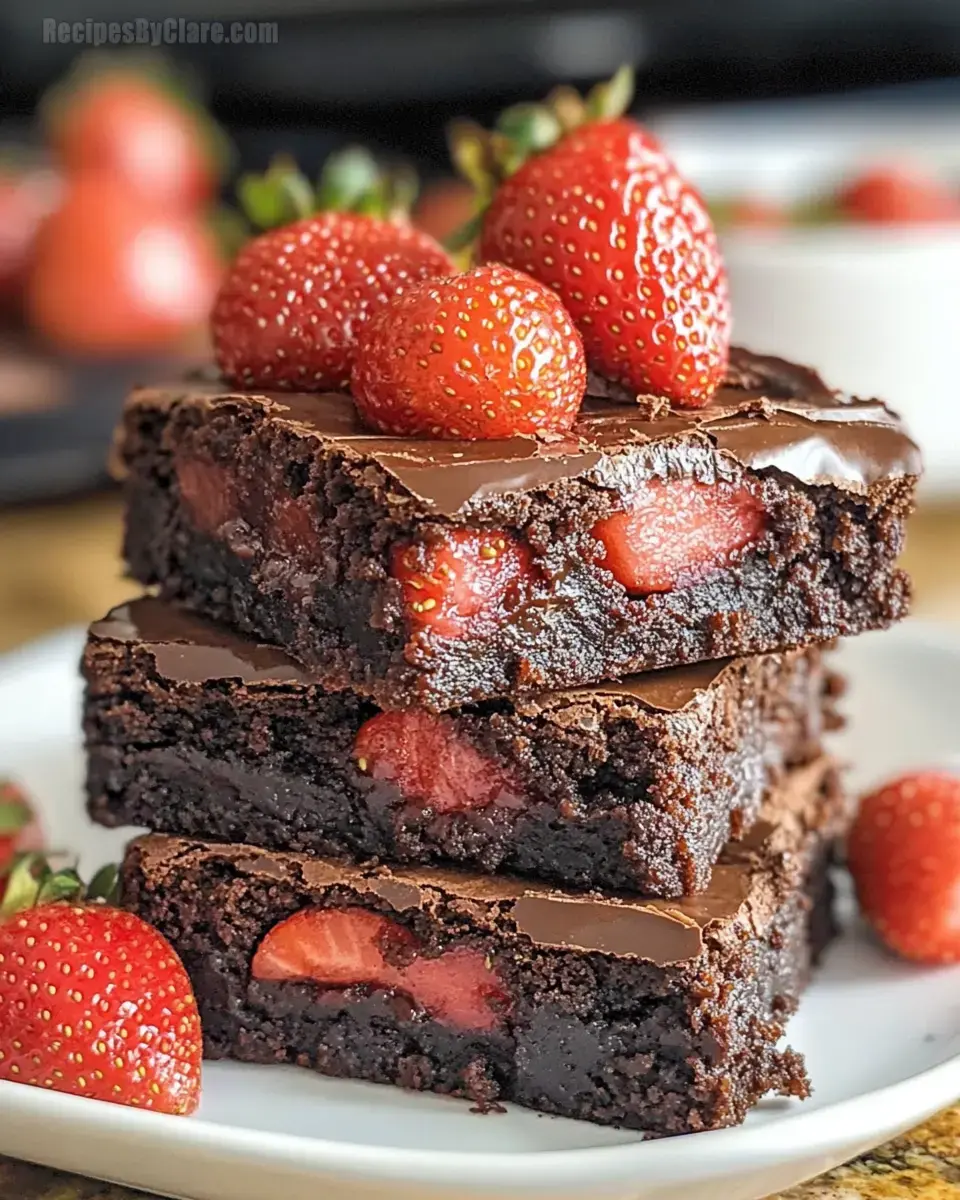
(904, 855)
(138, 125)
(490, 353)
(115, 273)
(292, 305)
(93, 1001)
(588, 202)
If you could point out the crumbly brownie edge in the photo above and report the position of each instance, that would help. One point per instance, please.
(661, 1048)
(558, 1062)
(826, 570)
(621, 797)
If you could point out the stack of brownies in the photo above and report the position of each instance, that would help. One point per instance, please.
(440, 799)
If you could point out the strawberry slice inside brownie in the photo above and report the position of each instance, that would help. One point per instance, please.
(677, 532)
(351, 947)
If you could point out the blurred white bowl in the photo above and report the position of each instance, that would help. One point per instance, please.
(876, 310)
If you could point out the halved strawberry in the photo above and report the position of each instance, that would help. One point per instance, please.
(432, 763)
(676, 532)
(339, 947)
(291, 526)
(459, 988)
(468, 577)
(208, 492)
(346, 947)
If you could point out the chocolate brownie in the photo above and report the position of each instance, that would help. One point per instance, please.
(661, 1016)
(283, 516)
(197, 731)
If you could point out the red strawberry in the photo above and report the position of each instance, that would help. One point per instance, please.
(208, 491)
(292, 529)
(338, 947)
(350, 947)
(133, 128)
(895, 195)
(470, 577)
(432, 763)
(487, 354)
(289, 312)
(602, 216)
(904, 854)
(676, 532)
(116, 273)
(459, 988)
(94, 1002)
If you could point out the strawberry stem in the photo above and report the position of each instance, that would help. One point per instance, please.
(230, 228)
(281, 195)
(612, 98)
(486, 157)
(465, 236)
(351, 181)
(529, 128)
(105, 884)
(29, 881)
(349, 177)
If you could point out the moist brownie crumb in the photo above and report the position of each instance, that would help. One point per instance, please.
(196, 731)
(660, 1016)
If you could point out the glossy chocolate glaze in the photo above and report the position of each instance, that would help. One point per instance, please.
(659, 931)
(188, 649)
(769, 414)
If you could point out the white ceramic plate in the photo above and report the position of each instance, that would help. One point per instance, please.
(882, 1039)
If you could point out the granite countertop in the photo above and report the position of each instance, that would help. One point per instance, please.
(922, 1165)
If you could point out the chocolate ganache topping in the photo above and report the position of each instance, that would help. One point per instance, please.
(188, 649)
(769, 414)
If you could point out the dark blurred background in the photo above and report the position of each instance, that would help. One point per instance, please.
(343, 53)
(395, 71)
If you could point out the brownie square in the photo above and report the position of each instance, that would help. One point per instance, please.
(661, 1016)
(197, 731)
(281, 515)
